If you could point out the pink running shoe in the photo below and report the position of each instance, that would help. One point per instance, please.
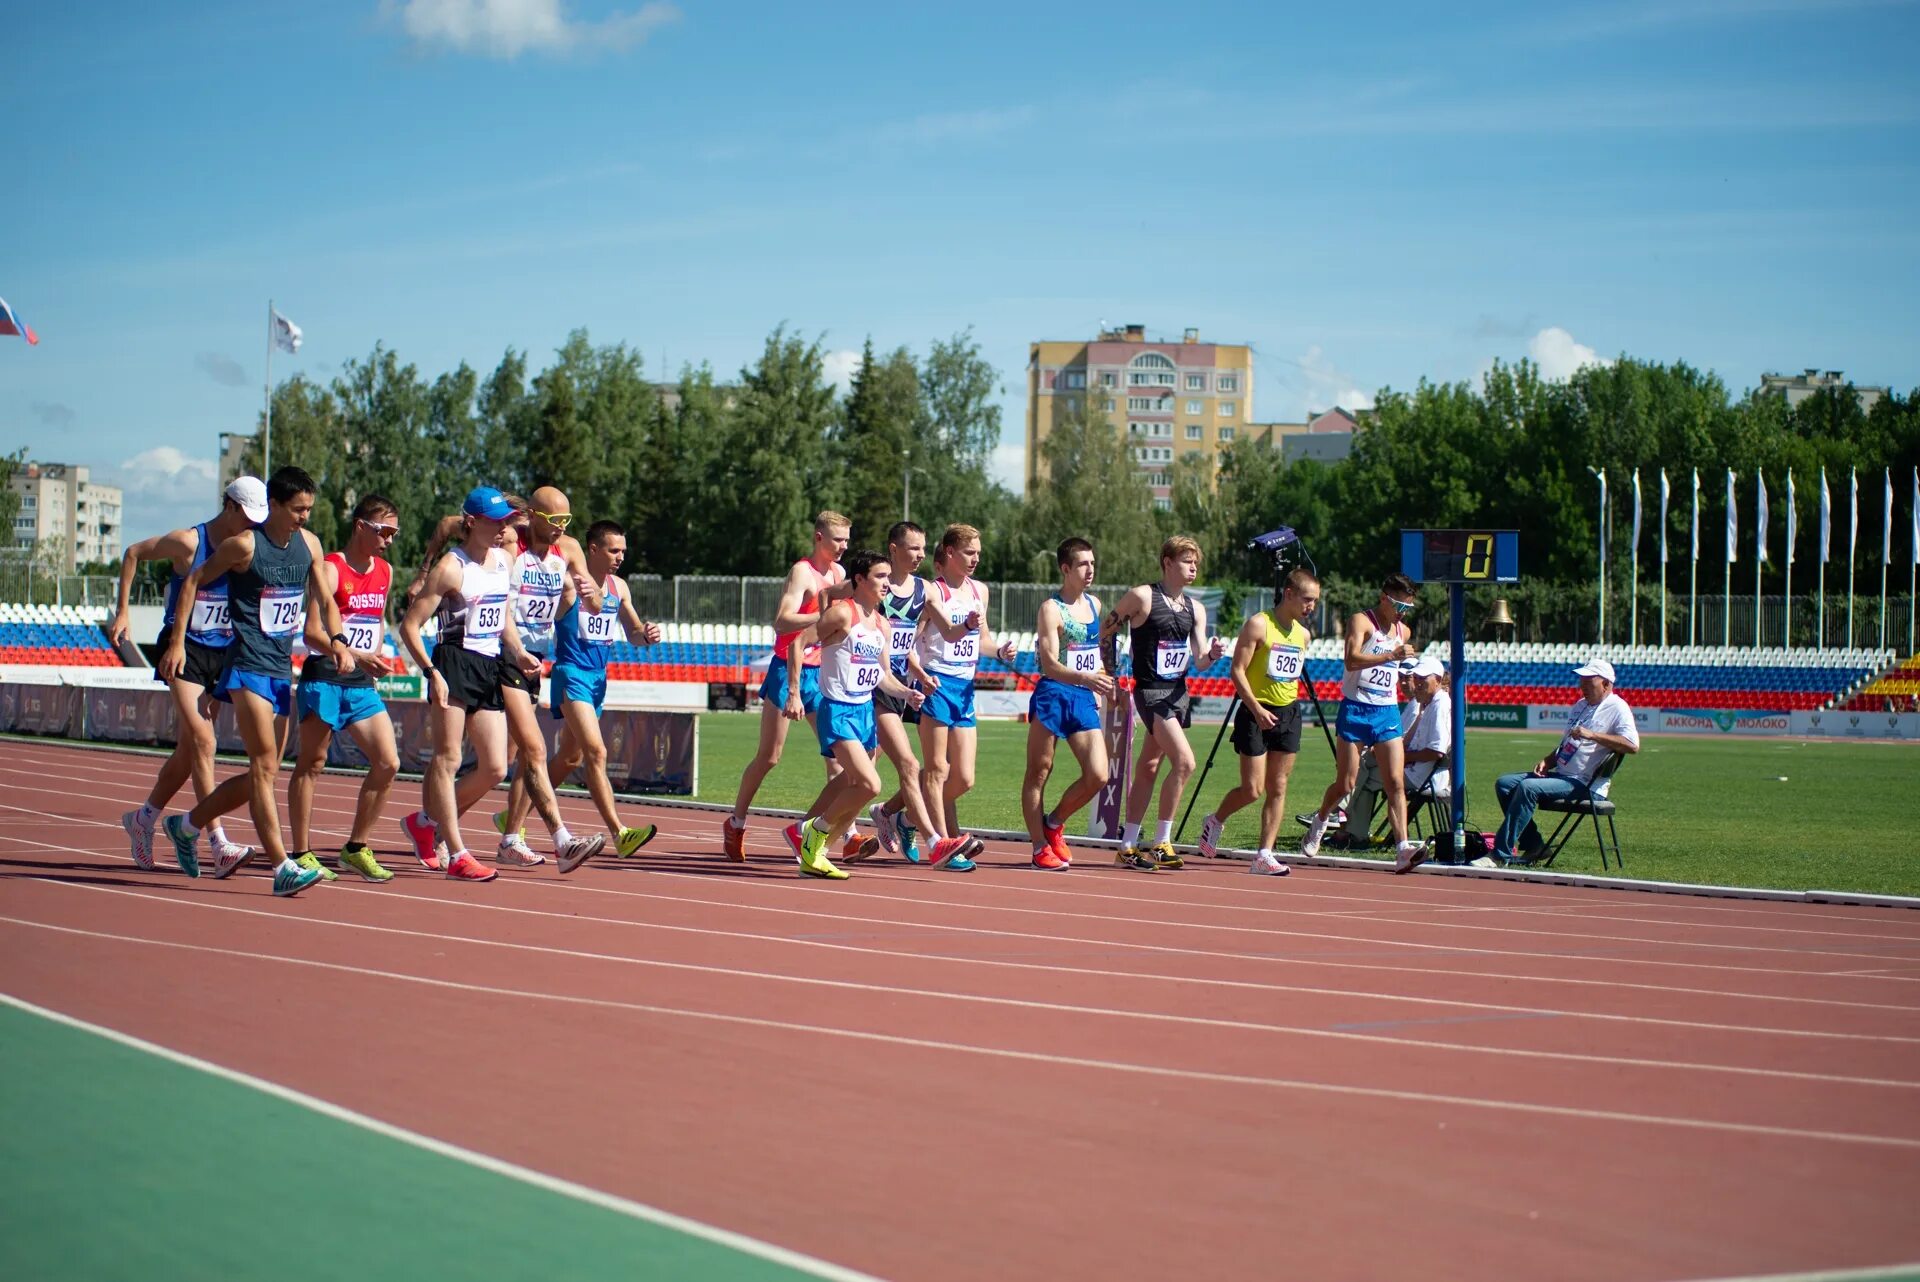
(794, 837)
(423, 833)
(464, 867)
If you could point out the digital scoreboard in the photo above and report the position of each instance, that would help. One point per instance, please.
(1460, 556)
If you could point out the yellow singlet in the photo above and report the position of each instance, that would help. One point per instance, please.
(1278, 662)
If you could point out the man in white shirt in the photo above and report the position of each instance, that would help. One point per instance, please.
(1428, 719)
(1600, 723)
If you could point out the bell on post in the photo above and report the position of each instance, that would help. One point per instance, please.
(1501, 617)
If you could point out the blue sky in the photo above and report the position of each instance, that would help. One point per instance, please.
(1368, 194)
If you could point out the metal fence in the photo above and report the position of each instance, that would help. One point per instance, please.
(21, 583)
(706, 598)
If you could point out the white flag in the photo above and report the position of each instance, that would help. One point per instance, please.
(1663, 516)
(1733, 522)
(1886, 526)
(1636, 511)
(1914, 513)
(1696, 514)
(1853, 518)
(286, 334)
(1760, 529)
(1826, 520)
(1793, 524)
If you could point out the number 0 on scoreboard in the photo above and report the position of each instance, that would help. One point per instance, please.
(1460, 556)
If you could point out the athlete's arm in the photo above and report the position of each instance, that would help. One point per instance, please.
(1046, 647)
(439, 581)
(835, 622)
(235, 554)
(570, 551)
(954, 631)
(1204, 652)
(901, 690)
(320, 598)
(1005, 648)
(1130, 610)
(177, 546)
(1252, 633)
(639, 631)
(443, 533)
(1359, 627)
(796, 707)
(519, 655)
(316, 635)
(789, 617)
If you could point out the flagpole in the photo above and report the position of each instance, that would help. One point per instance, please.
(1886, 551)
(1826, 533)
(1603, 551)
(1759, 546)
(1853, 539)
(1786, 628)
(1663, 558)
(1726, 602)
(1693, 567)
(1913, 560)
(266, 441)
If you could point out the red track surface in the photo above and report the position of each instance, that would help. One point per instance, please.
(1015, 1075)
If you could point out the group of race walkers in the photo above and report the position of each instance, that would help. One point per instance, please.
(865, 646)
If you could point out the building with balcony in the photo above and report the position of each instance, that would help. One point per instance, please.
(63, 511)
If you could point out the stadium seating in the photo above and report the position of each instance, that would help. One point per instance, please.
(1898, 685)
(57, 636)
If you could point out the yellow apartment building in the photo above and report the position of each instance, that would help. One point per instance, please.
(1170, 399)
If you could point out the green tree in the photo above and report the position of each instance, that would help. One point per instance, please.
(881, 424)
(1094, 491)
(9, 497)
(773, 465)
(682, 527)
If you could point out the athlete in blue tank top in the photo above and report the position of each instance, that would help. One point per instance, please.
(209, 638)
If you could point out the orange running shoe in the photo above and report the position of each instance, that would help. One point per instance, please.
(858, 848)
(464, 867)
(1056, 835)
(733, 840)
(1047, 861)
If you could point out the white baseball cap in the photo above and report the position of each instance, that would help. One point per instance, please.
(1428, 665)
(1595, 668)
(250, 492)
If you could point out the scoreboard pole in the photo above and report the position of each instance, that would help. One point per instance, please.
(1457, 636)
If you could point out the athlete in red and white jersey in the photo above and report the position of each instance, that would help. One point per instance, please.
(330, 701)
(811, 585)
(953, 637)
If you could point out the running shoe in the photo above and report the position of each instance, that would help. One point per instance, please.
(1056, 835)
(947, 850)
(514, 852)
(1165, 857)
(464, 867)
(360, 859)
(230, 859)
(1337, 819)
(1210, 837)
(960, 863)
(1135, 858)
(628, 843)
(1411, 855)
(1310, 844)
(140, 836)
(500, 826)
(796, 837)
(290, 879)
(733, 840)
(424, 837)
(311, 860)
(858, 848)
(186, 848)
(885, 828)
(909, 841)
(1268, 865)
(1047, 861)
(579, 850)
(813, 856)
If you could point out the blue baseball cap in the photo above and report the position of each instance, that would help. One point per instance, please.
(485, 501)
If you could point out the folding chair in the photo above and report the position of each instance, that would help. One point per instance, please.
(1572, 810)
(1422, 804)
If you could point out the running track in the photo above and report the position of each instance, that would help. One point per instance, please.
(1013, 1075)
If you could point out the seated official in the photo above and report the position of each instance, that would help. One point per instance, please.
(1428, 720)
(1600, 723)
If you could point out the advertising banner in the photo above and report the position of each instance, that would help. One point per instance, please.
(1721, 721)
(1108, 811)
(1500, 715)
(1554, 717)
(403, 686)
(1831, 724)
(40, 709)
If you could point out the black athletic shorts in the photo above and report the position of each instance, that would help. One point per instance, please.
(511, 678)
(1249, 740)
(473, 680)
(884, 702)
(1164, 701)
(205, 664)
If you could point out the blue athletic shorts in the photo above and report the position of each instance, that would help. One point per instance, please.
(339, 706)
(839, 721)
(1064, 710)
(952, 704)
(275, 690)
(569, 684)
(1367, 723)
(774, 689)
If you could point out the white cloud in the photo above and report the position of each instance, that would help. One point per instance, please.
(839, 368)
(1559, 357)
(163, 489)
(509, 28)
(952, 126)
(1008, 465)
(1328, 386)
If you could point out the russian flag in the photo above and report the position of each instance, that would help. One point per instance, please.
(11, 325)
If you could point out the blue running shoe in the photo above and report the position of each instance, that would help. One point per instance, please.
(186, 846)
(909, 840)
(291, 879)
(960, 863)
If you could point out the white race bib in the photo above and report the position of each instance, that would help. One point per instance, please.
(538, 609)
(280, 611)
(1381, 679)
(363, 632)
(210, 615)
(866, 675)
(1171, 658)
(1285, 663)
(900, 634)
(966, 649)
(1083, 658)
(600, 628)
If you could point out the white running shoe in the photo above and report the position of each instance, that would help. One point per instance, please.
(1268, 865)
(140, 836)
(1310, 844)
(229, 857)
(1210, 837)
(885, 829)
(515, 853)
(579, 850)
(1411, 855)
